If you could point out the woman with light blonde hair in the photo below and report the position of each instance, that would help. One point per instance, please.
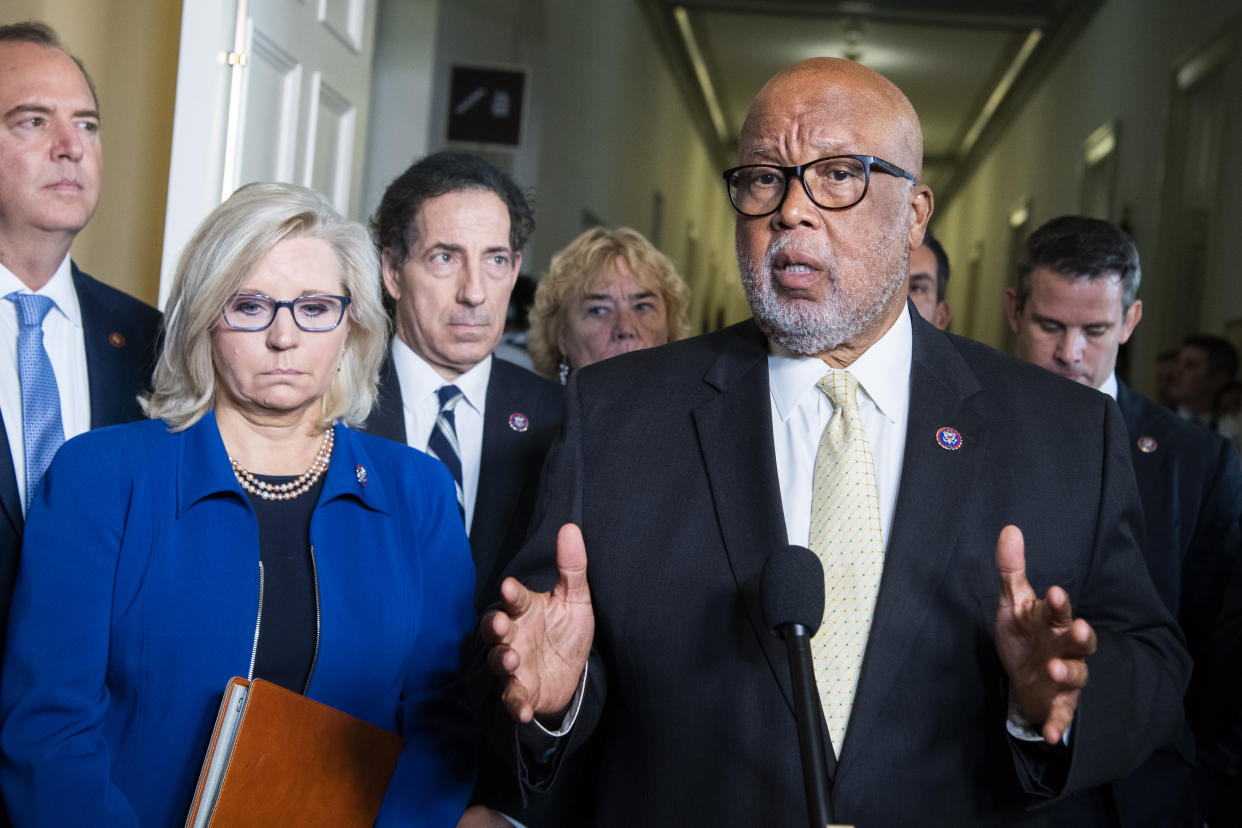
(246, 530)
(606, 293)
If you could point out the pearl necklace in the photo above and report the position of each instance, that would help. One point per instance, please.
(294, 488)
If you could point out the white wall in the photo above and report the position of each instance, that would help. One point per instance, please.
(616, 132)
(130, 49)
(401, 92)
(1119, 68)
(605, 128)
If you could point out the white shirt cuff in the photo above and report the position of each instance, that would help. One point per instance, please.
(571, 715)
(1024, 730)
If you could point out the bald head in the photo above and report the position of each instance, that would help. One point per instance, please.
(829, 281)
(848, 108)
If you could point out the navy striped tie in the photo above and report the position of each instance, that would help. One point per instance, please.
(443, 443)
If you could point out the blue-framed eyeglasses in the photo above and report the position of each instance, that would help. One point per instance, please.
(255, 312)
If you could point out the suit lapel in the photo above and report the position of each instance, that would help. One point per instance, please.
(1150, 468)
(10, 498)
(387, 418)
(1140, 419)
(735, 437)
(496, 470)
(921, 539)
(105, 343)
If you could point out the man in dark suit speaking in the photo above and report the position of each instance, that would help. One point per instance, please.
(945, 488)
(74, 352)
(1074, 303)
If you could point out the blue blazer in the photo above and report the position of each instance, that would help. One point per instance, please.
(120, 334)
(138, 599)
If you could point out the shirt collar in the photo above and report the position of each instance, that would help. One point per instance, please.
(882, 371)
(419, 380)
(1110, 386)
(59, 289)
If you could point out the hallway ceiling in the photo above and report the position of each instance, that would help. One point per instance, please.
(962, 63)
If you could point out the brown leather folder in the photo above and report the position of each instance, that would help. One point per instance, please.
(279, 758)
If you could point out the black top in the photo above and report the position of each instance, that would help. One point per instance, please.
(287, 625)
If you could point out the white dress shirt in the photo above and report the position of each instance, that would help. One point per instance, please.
(800, 412)
(1110, 386)
(65, 344)
(419, 383)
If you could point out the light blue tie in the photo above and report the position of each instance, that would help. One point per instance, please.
(42, 432)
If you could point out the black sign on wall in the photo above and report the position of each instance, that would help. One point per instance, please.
(485, 105)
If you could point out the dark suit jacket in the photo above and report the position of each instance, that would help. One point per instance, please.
(505, 499)
(1219, 765)
(1190, 482)
(667, 464)
(120, 334)
(1191, 488)
(512, 459)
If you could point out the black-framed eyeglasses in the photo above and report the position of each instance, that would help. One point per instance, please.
(255, 312)
(836, 182)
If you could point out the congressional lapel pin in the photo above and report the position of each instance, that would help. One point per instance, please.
(362, 474)
(950, 439)
(1147, 444)
(518, 421)
(116, 339)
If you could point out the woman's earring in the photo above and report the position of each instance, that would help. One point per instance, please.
(563, 369)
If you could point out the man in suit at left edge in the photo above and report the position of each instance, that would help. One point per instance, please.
(83, 366)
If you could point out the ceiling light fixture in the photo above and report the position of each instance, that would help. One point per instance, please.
(699, 65)
(1002, 89)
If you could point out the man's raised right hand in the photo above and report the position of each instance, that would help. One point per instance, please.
(540, 641)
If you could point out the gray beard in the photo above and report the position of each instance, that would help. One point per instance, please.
(813, 329)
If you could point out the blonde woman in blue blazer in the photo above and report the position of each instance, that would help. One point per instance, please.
(244, 530)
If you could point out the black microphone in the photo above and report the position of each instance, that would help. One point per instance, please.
(791, 592)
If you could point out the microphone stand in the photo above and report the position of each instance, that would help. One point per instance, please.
(806, 711)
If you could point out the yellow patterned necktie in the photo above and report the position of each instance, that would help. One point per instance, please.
(845, 534)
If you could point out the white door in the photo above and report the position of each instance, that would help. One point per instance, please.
(267, 90)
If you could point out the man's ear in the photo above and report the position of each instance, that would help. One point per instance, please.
(921, 206)
(391, 274)
(517, 270)
(943, 314)
(1013, 312)
(1133, 314)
